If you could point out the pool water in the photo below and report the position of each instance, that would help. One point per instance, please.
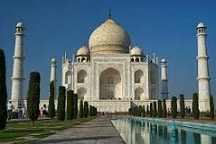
(145, 132)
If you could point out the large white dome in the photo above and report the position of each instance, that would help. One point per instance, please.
(109, 38)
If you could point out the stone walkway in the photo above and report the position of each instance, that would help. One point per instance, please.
(97, 131)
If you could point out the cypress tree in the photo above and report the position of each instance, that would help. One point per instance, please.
(211, 107)
(154, 109)
(164, 111)
(174, 107)
(51, 108)
(144, 112)
(61, 104)
(151, 110)
(159, 109)
(91, 109)
(81, 109)
(95, 111)
(85, 113)
(182, 106)
(69, 105)
(195, 106)
(140, 111)
(33, 99)
(147, 111)
(75, 105)
(3, 91)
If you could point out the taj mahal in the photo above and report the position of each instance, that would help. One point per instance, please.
(111, 74)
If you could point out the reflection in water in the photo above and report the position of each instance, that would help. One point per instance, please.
(146, 132)
(183, 136)
(196, 137)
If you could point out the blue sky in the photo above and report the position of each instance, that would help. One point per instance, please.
(166, 27)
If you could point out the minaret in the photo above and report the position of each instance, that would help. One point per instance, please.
(18, 66)
(53, 74)
(164, 80)
(203, 71)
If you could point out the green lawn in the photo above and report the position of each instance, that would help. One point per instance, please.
(24, 132)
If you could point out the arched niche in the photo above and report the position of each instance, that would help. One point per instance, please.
(138, 93)
(81, 76)
(139, 76)
(81, 92)
(110, 84)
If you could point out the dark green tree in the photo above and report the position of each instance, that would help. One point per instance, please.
(143, 111)
(86, 110)
(69, 105)
(51, 108)
(154, 109)
(33, 99)
(182, 106)
(147, 111)
(211, 107)
(164, 109)
(3, 91)
(174, 107)
(75, 105)
(140, 111)
(195, 106)
(151, 110)
(81, 110)
(94, 111)
(159, 108)
(61, 104)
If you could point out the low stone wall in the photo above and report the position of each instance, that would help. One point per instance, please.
(113, 106)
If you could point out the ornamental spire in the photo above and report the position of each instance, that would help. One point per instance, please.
(110, 14)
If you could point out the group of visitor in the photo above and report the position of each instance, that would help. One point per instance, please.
(188, 111)
(44, 111)
(21, 111)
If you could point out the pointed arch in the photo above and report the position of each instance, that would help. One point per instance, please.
(68, 77)
(81, 76)
(81, 92)
(138, 93)
(110, 84)
(139, 76)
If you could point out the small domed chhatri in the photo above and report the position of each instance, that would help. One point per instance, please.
(108, 38)
(53, 60)
(200, 25)
(163, 60)
(20, 24)
(136, 51)
(83, 51)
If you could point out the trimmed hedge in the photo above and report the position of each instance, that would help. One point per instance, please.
(3, 91)
(61, 104)
(33, 99)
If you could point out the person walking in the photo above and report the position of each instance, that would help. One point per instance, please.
(9, 110)
(20, 111)
(23, 111)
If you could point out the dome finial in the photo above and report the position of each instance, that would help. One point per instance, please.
(110, 13)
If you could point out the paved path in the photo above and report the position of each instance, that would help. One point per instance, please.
(97, 131)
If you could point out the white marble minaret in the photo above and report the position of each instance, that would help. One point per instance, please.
(17, 95)
(53, 74)
(164, 80)
(203, 70)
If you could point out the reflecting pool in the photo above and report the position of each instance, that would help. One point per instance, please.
(146, 132)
